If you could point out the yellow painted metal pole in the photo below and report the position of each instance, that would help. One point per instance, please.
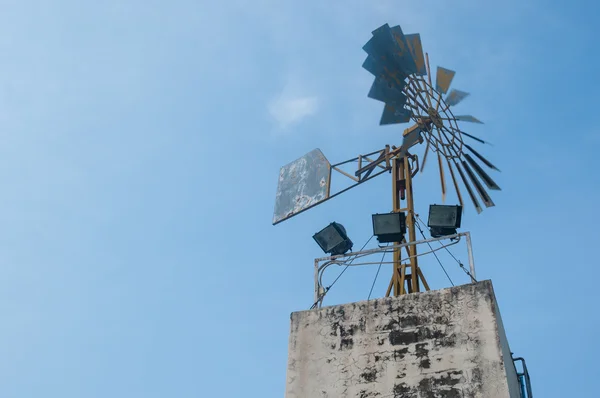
(396, 175)
(410, 224)
(402, 181)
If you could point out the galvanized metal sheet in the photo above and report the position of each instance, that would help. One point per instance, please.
(374, 67)
(455, 182)
(468, 118)
(487, 200)
(481, 157)
(390, 51)
(455, 97)
(402, 52)
(443, 79)
(489, 181)
(302, 184)
(385, 91)
(381, 45)
(383, 28)
(469, 189)
(394, 79)
(473, 137)
(393, 114)
(416, 50)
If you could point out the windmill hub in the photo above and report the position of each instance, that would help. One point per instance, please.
(435, 117)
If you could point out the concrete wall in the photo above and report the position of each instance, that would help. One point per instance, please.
(509, 365)
(447, 343)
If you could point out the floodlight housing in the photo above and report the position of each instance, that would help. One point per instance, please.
(389, 227)
(333, 239)
(444, 220)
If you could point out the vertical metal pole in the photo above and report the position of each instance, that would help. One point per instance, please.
(316, 281)
(471, 261)
(396, 208)
(329, 181)
(410, 223)
(522, 383)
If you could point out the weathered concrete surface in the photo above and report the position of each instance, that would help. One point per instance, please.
(447, 343)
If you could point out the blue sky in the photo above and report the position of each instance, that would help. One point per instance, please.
(140, 148)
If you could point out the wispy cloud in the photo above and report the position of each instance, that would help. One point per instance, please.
(296, 101)
(287, 111)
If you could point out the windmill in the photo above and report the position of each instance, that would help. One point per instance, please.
(403, 83)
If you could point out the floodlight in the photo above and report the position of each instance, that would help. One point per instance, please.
(389, 227)
(333, 239)
(444, 220)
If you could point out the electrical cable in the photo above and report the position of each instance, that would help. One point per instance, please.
(436, 257)
(460, 264)
(377, 274)
(361, 254)
(320, 298)
(382, 249)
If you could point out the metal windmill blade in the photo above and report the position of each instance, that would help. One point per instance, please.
(403, 82)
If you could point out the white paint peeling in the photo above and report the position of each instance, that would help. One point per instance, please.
(302, 183)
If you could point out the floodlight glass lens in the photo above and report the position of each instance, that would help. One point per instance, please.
(442, 216)
(329, 238)
(387, 224)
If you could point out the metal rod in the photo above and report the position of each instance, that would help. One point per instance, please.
(429, 77)
(525, 375)
(379, 250)
(371, 160)
(355, 264)
(346, 174)
(399, 273)
(356, 158)
(368, 169)
(316, 300)
(442, 179)
(425, 156)
(470, 252)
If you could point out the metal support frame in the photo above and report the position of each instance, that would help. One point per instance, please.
(401, 282)
(343, 259)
